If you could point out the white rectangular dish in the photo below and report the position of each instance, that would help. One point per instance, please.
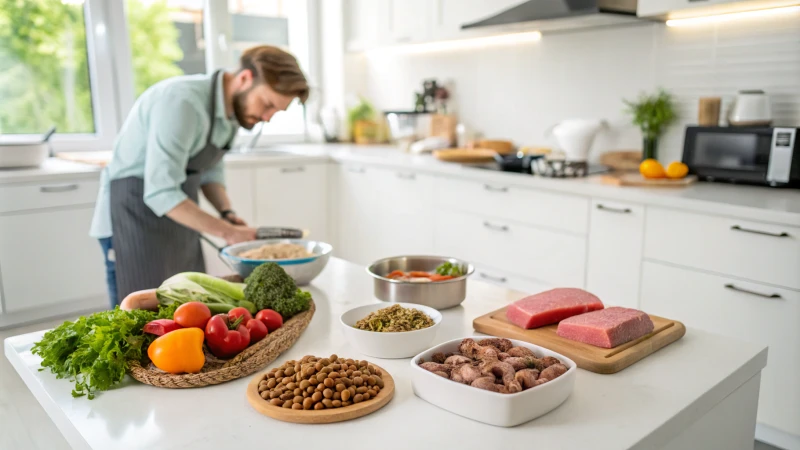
(503, 410)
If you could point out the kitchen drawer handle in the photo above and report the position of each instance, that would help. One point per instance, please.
(406, 176)
(293, 169)
(356, 170)
(603, 207)
(58, 188)
(490, 277)
(495, 189)
(765, 233)
(733, 287)
(492, 226)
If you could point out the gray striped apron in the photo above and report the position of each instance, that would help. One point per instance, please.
(149, 249)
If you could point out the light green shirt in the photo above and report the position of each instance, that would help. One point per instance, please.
(166, 127)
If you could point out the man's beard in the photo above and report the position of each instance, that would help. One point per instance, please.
(239, 109)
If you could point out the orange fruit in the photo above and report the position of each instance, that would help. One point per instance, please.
(677, 169)
(651, 168)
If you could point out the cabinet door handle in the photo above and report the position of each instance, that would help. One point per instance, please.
(356, 170)
(493, 278)
(58, 188)
(765, 233)
(492, 226)
(733, 287)
(406, 176)
(603, 207)
(495, 189)
(293, 169)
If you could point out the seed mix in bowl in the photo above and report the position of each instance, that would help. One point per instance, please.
(395, 319)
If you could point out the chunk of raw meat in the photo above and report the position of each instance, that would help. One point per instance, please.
(607, 328)
(551, 306)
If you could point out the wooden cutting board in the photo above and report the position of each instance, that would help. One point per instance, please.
(100, 159)
(588, 357)
(635, 179)
(353, 411)
(465, 155)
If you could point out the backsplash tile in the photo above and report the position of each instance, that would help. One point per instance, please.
(519, 92)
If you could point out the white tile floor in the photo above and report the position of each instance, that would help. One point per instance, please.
(25, 425)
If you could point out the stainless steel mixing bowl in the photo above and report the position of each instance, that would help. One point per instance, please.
(438, 295)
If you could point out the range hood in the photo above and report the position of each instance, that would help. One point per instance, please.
(553, 15)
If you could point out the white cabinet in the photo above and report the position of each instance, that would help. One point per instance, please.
(553, 258)
(509, 280)
(47, 257)
(366, 24)
(742, 310)
(359, 225)
(406, 212)
(450, 15)
(293, 196)
(409, 20)
(615, 252)
(695, 8)
(757, 251)
(240, 185)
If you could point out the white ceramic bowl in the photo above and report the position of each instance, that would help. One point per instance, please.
(503, 410)
(389, 345)
(23, 154)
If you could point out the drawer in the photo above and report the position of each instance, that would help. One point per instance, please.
(557, 259)
(509, 280)
(744, 311)
(562, 212)
(615, 252)
(756, 251)
(18, 197)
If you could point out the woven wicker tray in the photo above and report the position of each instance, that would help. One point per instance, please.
(216, 371)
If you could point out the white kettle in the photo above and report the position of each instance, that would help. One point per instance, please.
(575, 136)
(750, 109)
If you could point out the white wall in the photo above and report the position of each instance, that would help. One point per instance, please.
(517, 92)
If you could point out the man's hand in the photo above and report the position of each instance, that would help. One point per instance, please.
(234, 219)
(239, 233)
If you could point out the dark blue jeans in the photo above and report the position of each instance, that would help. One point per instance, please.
(111, 270)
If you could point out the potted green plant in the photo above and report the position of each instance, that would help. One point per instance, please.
(652, 113)
(361, 120)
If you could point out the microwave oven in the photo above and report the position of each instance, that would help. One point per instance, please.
(768, 156)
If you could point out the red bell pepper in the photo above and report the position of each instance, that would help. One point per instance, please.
(161, 327)
(225, 337)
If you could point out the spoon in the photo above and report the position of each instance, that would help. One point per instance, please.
(48, 134)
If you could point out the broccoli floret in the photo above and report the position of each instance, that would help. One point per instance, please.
(288, 307)
(270, 287)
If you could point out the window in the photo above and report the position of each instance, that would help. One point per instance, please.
(174, 29)
(80, 64)
(44, 68)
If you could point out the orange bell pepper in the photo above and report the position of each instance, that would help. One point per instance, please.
(180, 351)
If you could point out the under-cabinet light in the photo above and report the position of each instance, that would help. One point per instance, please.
(461, 44)
(732, 16)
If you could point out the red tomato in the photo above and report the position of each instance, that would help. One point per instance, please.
(271, 319)
(258, 331)
(235, 313)
(192, 314)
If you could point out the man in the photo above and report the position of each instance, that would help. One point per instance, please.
(171, 146)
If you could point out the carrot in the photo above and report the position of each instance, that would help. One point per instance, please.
(415, 274)
(146, 299)
(396, 274)
(437, 277)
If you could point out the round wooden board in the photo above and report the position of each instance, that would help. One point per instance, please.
(353, 411)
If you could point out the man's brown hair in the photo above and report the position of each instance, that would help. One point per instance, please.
(278, 69)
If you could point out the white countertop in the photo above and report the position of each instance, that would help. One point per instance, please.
(764, 204)
(644, 406)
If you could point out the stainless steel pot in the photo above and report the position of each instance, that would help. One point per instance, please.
(438, 295)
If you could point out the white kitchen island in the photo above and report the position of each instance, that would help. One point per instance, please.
(700, 392)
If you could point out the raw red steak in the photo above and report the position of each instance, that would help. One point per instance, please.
(551, 306)
(607, 328)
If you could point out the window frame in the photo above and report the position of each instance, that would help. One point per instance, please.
(111, 70)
